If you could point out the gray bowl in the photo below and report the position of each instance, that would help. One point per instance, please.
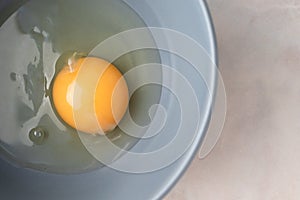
(188, 17)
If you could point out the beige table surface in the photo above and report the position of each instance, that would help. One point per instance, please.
(258, 154)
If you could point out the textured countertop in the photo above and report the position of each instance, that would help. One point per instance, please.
(258, 154)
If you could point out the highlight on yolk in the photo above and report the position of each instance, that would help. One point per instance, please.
(90, 95)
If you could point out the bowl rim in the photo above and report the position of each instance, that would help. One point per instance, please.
(191, 152)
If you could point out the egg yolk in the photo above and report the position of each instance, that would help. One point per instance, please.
(90, 95)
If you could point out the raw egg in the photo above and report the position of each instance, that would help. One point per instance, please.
(90, 94)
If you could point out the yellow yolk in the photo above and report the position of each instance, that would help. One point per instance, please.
(90, 95)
